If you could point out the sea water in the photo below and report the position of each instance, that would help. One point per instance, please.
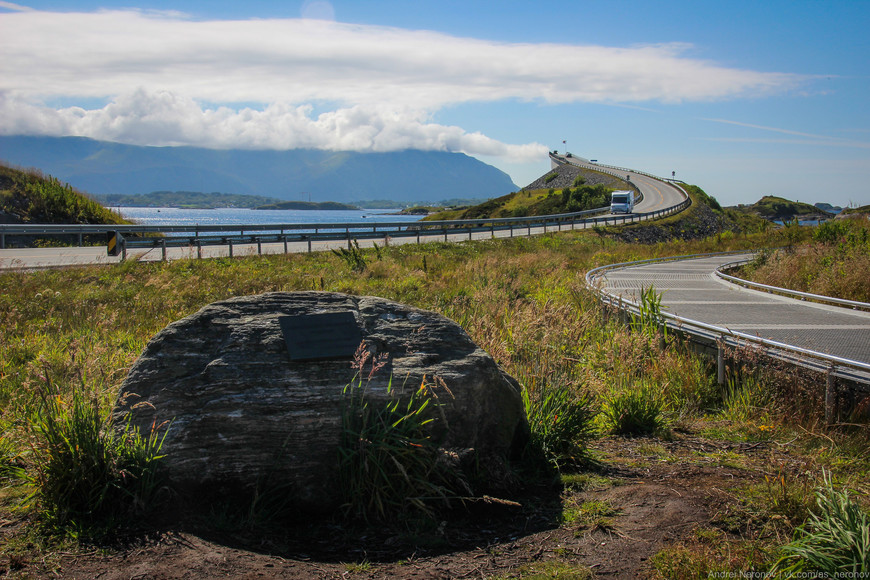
(173, 216)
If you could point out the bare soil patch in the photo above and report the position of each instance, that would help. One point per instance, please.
(660, 491)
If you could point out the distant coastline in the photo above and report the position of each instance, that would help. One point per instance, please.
(308, 205)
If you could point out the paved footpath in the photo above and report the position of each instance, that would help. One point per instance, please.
(690, 289)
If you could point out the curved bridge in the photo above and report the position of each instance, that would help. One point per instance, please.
(657, 193)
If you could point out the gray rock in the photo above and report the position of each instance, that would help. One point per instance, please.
(242, 412)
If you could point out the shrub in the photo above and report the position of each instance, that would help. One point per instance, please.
(561, 423)
(353, 256)
(637, 410)
(831, 231)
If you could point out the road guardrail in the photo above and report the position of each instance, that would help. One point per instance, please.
(195, 236)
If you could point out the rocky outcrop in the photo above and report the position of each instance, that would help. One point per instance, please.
(698, 223)
(566, 174)
(242, 411)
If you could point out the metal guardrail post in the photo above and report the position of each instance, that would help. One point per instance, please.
(231, 246)
(831, 396)
(720, 361)
(309, 243)
(163, 249)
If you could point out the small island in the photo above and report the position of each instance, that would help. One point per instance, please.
(308, 205)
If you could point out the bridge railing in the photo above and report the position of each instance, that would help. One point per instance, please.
(853, 304)
(832, 366)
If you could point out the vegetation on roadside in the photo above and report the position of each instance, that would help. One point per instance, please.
(585, 375)
(566, 189)
(835, 262)
(29, 196)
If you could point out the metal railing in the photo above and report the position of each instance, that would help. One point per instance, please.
(853, 304)
(832, 366)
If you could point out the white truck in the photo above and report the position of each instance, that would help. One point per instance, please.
(622, 202)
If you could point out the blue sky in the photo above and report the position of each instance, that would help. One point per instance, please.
(741, 98)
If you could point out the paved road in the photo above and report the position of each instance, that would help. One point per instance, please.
(35, 258)
(690, 289)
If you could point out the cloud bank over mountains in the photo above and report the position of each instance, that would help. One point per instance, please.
(149, 78)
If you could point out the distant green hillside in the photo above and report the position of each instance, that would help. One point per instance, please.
(184, 199)
(308, 205)
(771, 207)
(865, 209)
(31, 197)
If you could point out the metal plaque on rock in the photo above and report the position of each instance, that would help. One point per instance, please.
(321, 336)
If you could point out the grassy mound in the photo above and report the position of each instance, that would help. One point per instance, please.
(31, 197)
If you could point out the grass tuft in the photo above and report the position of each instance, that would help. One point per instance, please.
(561, 423)
(636, 409)
(390, 466)
(836, 540)
(87, 476)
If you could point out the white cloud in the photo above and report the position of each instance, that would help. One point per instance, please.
(13, 6)
(157, 69)
(163, 119)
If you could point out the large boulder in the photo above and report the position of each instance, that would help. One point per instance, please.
(241, 410)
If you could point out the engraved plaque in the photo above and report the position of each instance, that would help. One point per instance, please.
(320, 336)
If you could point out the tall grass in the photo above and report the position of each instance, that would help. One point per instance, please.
(636, 409)
(561, 422)
(390, 466)
(835, 263)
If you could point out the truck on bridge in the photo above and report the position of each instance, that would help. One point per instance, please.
(622, 201)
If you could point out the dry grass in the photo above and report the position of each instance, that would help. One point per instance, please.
(835, 264)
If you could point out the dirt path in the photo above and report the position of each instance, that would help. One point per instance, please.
(649, 494)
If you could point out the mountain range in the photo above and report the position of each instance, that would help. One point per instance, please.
(101, 167)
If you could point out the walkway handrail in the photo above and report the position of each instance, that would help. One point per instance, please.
(854, 304)
(830, 362)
